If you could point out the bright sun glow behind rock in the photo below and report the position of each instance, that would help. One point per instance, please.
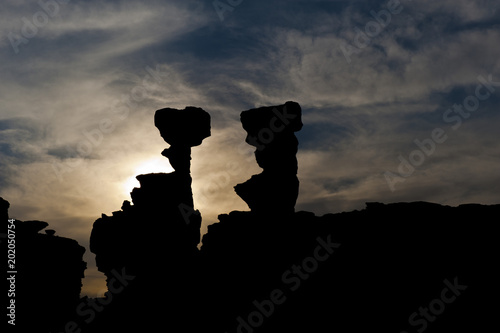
(154, 165)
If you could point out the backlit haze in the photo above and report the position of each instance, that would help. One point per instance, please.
(79, 89)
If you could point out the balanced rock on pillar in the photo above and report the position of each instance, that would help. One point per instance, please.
(170, 194)
(182, 129)
(163, 206)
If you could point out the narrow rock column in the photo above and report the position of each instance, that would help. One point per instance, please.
(161, 226)
(271, 130)
(182, 129)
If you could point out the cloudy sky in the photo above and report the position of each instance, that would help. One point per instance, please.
(400, 101)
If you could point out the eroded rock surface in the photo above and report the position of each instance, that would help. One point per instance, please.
(271, 130)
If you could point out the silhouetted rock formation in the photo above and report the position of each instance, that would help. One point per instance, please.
(271, 130)
(351, 272)
(182, 129)
(30, 227)
(4, 209)
(276, 270)
(402, 267)
(165, 253)
(164, 200)
(48, 279)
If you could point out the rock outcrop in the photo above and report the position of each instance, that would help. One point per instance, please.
(164, 203)
(271, 130)
(155, 239)
(48, 273)
(350, 272)
(272, 269)
(4, 209)
(400, 267)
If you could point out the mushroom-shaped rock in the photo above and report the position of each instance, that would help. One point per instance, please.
(266, 123)
(182, 129)
(186, 127)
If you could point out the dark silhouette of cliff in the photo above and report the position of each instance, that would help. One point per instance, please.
(275, 270)
(399, 267)
(46, 276)
(386, 262)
